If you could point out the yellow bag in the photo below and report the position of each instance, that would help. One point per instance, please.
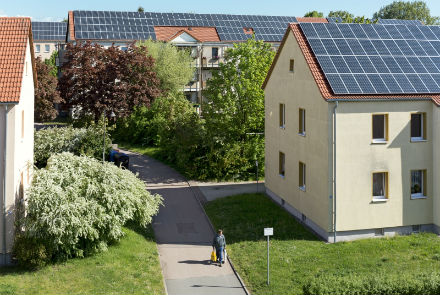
(213, 256)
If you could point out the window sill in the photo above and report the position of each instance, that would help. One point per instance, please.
(419, 197)
(302, 134)
(379, 141)
(413, 139)
(283, 127)
(302, 188)
(379, 200)
(282, 176)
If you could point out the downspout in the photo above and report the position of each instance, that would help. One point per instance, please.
(4, 186)
(334, 171)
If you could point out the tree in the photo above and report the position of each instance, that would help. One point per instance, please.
(46, 93)
(234, 109)
(415, 10)
(314, 13)
(172, 65)
(51, 63)
(348, 17)
(99, 81)
(140, 9)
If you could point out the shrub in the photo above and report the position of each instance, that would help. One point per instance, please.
(77, 206)
(402, 284)
(79, 141)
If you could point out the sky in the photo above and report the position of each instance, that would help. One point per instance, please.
(56, 10)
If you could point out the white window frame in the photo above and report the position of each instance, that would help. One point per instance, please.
(385, 129)
(302, 124)
(282, 116)
(46, 47)
(384, 197)
(422, 131)
(421, 195)
(303, 180)
(37, 48)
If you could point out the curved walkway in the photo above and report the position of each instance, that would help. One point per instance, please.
(183, 234)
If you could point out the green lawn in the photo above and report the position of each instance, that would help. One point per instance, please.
(151, 151)
(129, 267)
(297, 255)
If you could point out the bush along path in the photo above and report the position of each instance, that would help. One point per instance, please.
(183, 234)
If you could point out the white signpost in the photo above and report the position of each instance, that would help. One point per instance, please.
(268, 231)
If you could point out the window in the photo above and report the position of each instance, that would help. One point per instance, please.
(302, 122)
(46, 48)
(37, 48)
(214, 52)
(291, 65)
(418, 127)
(22, 124)
(124, 48)
(282, 115)
(380, 186)
(380, 128)
(418, 184)
(282, 163)
(302, 176)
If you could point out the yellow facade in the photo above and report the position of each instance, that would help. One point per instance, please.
(357, 156)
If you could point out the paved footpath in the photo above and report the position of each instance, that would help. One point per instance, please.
(183, 234)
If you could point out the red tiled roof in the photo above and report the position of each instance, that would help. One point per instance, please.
(202, 34)
(322, 82)
(311, 20)
(14, 35)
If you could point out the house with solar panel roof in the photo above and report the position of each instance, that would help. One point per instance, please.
(207, 36)
(353, 127)
(48, 37)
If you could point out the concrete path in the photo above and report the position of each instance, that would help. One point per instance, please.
(183, 234)
(215, 190)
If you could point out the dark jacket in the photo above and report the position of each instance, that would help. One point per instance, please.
(219, 241)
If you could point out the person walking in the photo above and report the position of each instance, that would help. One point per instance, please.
(219, 244)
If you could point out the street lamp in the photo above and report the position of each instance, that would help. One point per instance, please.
(112, 115)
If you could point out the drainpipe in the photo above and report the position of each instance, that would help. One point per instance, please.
(334, 171)
(4, 185)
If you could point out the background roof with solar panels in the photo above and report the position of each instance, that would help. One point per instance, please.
(49, 31)
(116, 25)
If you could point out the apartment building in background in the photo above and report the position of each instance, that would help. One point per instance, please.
(352, 128)
(48, 37)
(206, 36)
(17, 82)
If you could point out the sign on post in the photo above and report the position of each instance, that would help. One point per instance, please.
(268, 231)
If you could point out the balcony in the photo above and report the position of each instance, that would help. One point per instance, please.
(211, 62)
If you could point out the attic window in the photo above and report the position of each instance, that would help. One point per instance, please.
(248, 30)
(190, 28)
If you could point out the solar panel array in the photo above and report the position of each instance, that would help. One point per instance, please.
(49, 31)
(118, 25)
(382, 21)
(377, 59)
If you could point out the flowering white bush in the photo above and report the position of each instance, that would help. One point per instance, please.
(79, 141)
(77, 205)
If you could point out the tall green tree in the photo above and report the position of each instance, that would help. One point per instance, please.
(314, 13)
(234, 110)
(51, 63)
(172, 65)
(415, 10)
